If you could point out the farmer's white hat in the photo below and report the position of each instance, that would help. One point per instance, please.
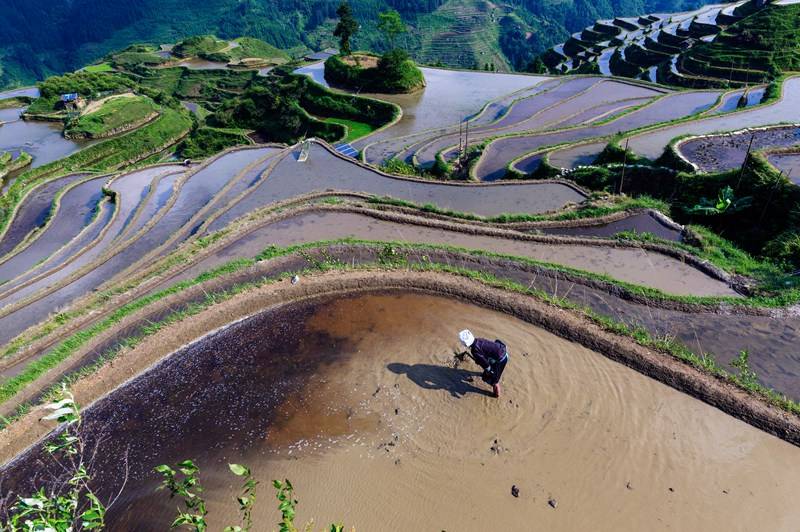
(466, 337)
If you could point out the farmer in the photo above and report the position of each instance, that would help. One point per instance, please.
(492, 356)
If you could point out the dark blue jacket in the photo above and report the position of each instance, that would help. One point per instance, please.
(487, 352)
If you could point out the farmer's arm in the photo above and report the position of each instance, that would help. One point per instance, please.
(479, 353)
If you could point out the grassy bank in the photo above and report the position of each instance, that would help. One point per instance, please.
(114, 115)
(390, 255)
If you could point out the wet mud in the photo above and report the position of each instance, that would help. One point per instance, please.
(787, 109)
(356, 390)
(718, 153)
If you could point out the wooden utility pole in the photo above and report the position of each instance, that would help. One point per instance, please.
(624, 163)
(460, 146)
(771, 193)
(466, 141)
(744, 163)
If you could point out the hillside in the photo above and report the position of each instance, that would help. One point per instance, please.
(42, 37)
(728, 45)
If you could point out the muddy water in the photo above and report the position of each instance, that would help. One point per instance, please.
(725, 152)
(788, 163)
(43, 140)
(499, 153)
(640, 223)
(573, 156)
(194, 194)
(70, 250)
(361, 392)
(631, 265)
(652, 144)
(324, 171)
(33, 211)
(75, 212)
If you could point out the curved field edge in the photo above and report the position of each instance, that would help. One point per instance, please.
(55, 206)
(652, 357)
(147, 276)
(67, 347)
(111, 155)
(144, 273)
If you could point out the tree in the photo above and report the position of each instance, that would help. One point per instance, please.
(391, 25)
(346, 28)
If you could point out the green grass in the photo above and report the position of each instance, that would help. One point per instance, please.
(102, 67)
(355, 130)
(199, 46)
(393, 259)
(206, 141)
(13, 103)
(115, 113)
(256, 48)
(111, 154)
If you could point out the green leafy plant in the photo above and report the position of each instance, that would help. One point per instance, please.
(246, 499)
(72, 506)
(183, 482)
(747, 377)
(726, 203)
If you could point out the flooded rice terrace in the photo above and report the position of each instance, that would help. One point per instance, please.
(725, 152)
(43, 140)
(358, 401)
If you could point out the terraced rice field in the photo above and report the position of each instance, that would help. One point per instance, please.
(139, 266)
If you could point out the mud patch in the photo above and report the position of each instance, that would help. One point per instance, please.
(360, 392)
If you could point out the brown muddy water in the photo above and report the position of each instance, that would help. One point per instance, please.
(356, 400)
(632, 265)
(788, 163)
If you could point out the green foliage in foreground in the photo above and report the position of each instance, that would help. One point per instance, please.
(74, 506)
(113, 114)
